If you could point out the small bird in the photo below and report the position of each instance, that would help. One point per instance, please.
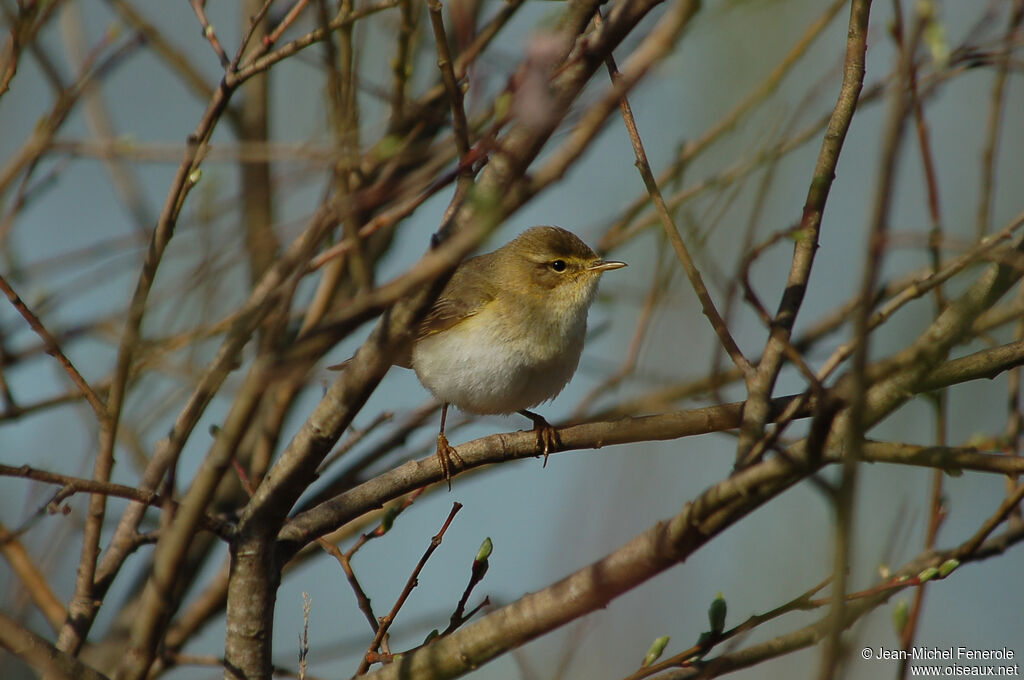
(507, 331)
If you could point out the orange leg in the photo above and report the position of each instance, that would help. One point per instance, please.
(446, 453)
(547, 436)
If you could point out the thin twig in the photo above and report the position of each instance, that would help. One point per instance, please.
(54, 350)
(345, 558)
(859, 420)
(401, 67)
(83, 485)
(734, 117)
(937, 512)
(199, 7)
(792, 298)
(682, 252)
(287, 21)
(659, 284)
(385, 622)
(996, 107)
(32, 579)
(444, 62)
(177, 60)
(801, 602)
(264, 61)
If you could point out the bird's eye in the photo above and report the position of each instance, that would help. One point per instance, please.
(558, 265)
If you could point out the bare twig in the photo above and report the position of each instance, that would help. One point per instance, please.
(54, 350)
(682, 252)
(199, 7)
(387, 620)
(995, 116)
(803, 256)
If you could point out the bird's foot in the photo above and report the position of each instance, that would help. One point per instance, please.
(547, 436)
(447, 457)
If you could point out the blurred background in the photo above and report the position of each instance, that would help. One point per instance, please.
(76, 222)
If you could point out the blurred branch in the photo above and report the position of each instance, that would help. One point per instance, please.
(257, 210)
(401, 67)
(32, 579)
(127, 185)
(41, 655)
(73, 485)
(25, 25)
(175, 59)
(996, 106)
(802, 638)
(84, 605)
(264, 61)
(653, 49)
(843, 503)
(460, 128)
(173, 543)
(728, 122)
(26, 159)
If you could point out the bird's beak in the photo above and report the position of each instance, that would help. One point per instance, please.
(605, 265)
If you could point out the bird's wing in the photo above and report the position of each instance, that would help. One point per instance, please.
(473, 283)
(475, 289)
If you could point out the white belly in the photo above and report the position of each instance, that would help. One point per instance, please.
(481, 370)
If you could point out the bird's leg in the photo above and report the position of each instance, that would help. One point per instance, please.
(547, 436)
(446, 453)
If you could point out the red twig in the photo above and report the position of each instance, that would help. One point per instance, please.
(199, 6)
(288, 20)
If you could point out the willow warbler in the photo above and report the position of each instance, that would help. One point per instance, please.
(507, 330)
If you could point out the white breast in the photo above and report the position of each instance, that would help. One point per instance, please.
(480, 368)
